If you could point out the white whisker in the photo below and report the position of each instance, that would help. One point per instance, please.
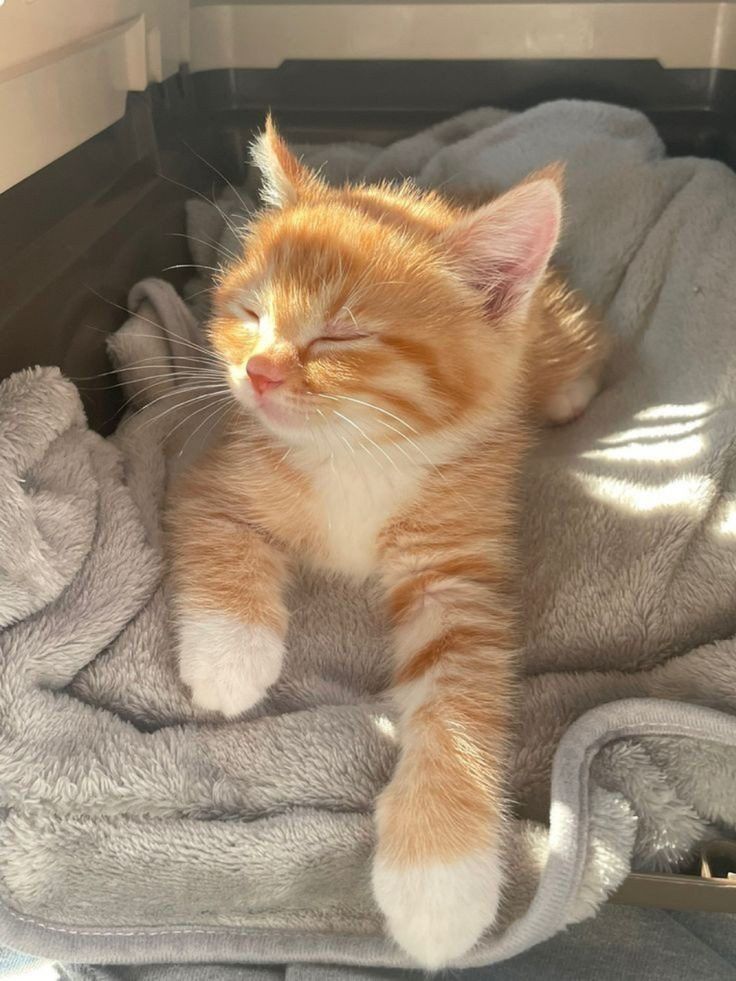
(366, 437)
(164, 378)
(211, 203)
(352, 317)
(222, 404)
(192, 265)
(411, 443)
(387, 425)
(370, 405)
(156, 361)
(191, 386)
(167, 330)
(210, 243)
(173, 408)
(219, 173)
(207, 289)
(358, 464)
(206, 353)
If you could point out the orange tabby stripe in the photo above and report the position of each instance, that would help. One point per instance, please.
(403, 597)
(452, 644)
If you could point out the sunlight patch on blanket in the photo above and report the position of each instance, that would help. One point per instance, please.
(727, 524)
(683, 493)
(696, 410)
(386, 727)
(659, 432)
(665, 450)
(562, 823)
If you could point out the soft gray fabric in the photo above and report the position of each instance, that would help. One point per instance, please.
(621, 944)
(130, 833)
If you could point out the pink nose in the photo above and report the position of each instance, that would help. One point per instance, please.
(264, 373)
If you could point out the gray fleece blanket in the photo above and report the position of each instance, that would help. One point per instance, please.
(133, 830)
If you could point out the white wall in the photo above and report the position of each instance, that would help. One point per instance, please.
(33, 28)
(66, 66)
(262, 35)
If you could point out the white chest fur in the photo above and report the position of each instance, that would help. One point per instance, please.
(354, 500)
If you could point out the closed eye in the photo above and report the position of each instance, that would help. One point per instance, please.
(340, 338)
(340, 331)
(248, 317)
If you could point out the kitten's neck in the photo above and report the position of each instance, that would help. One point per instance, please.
(355, 494)
(379, 464)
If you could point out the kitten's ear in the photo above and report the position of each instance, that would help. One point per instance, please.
(503, 248)
(285, 179)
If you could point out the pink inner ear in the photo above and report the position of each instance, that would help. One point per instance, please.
(503, 248)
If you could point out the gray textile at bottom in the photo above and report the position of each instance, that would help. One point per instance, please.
(133, 830)
(621, 944)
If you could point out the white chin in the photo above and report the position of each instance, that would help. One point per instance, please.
(287, 424)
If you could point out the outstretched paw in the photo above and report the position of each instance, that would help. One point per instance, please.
(438, 911)
(229, 665)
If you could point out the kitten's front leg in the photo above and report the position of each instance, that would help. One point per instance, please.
(229, 581)
(438, 870)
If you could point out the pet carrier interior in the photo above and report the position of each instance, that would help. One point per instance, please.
(115, 113)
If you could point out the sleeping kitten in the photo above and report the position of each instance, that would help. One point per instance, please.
(391, 352)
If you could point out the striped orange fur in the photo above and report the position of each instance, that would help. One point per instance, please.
(392, 353)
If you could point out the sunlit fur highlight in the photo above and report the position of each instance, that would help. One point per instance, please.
(418, 351)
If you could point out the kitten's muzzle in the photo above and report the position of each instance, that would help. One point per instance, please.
(264, 373)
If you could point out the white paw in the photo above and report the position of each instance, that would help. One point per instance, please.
(572, 400)
(229, 665)
(437, 912)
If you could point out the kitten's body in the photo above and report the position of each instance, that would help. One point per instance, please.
(397, 350)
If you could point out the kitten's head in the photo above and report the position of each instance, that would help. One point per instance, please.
(366, 314)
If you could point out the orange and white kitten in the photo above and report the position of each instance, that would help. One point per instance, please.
(390, 351)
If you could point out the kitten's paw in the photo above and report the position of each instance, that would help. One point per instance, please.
(229, 665)
(438, 911)
(571, 400)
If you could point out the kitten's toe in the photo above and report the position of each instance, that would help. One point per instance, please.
(571, 400)
(438, 911)
(229, 665)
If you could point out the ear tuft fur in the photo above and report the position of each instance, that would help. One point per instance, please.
(285, 179)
